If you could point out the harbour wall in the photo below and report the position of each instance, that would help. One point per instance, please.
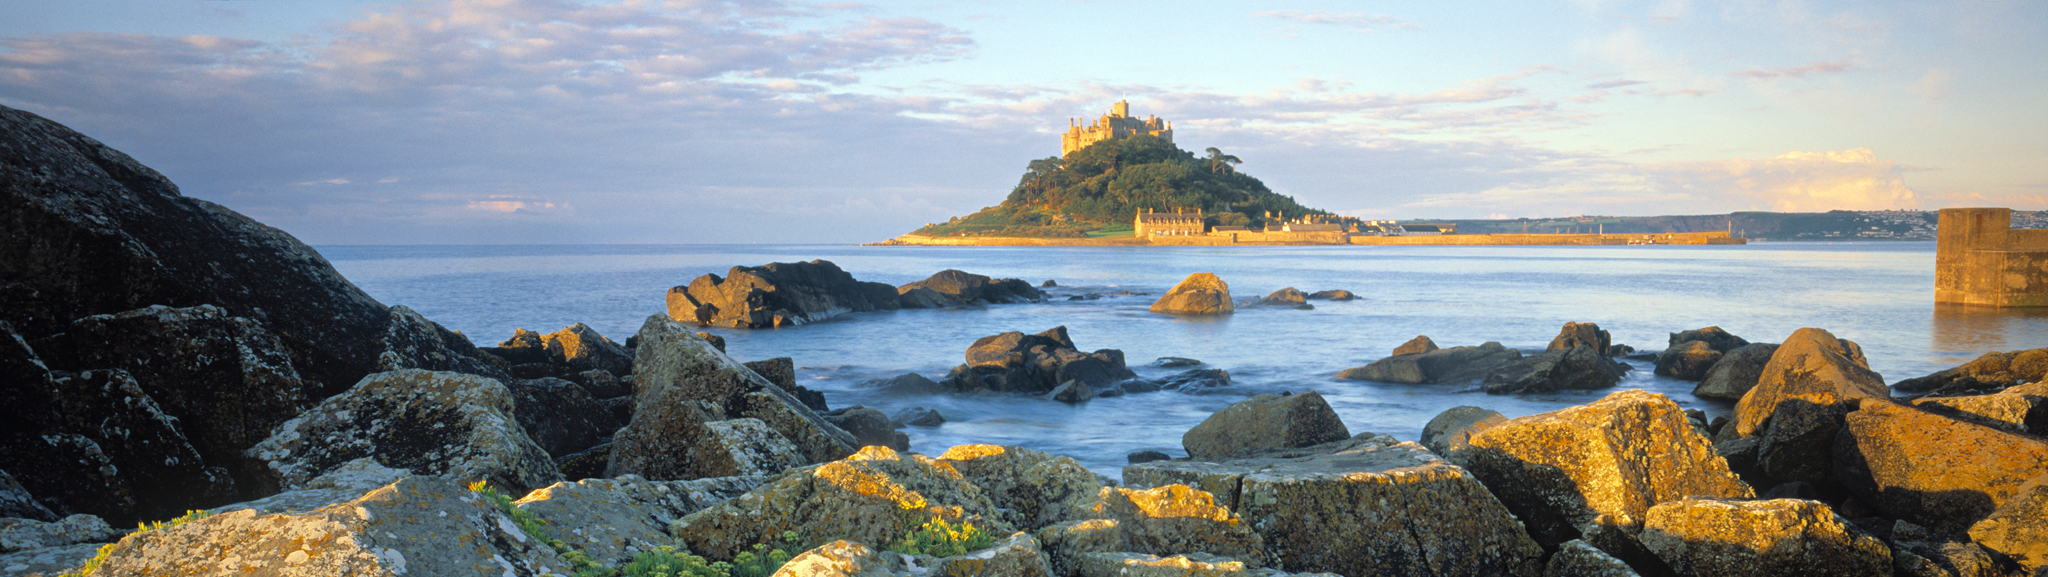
(1980, 260)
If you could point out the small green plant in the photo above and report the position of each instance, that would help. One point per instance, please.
(668, 562)
(662, 562)
(941, 539)
(93, 564)
(579, 561)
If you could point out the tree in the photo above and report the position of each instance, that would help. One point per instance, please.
(1220, 162)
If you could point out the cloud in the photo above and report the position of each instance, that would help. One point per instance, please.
(1829, 67)
(1349, 21)
(1853, 179)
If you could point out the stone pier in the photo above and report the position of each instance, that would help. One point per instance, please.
(1980, 260)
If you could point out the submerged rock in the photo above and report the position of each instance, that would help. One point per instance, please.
(1265, 422)
(1287, 297)
(1198, 295)
(1332, 295)
(1452, 365)
(957, 288)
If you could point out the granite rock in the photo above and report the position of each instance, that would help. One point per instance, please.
(1932, 470)
(1709, 537)
(1200, 294)
(1033, 487)
(1263, 422)
(1736, 372)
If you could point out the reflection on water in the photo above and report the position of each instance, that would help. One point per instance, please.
(1963, 332)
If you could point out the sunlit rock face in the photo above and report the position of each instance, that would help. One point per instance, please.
(1034, 488)
(1992, 371)
(1198, 295)
(2018, 529)
(1773, 537)
(1933, 470)
(1800, 398)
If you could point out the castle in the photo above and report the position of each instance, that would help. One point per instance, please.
(1117, 124)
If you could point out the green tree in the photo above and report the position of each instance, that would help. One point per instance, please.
(1220, 162)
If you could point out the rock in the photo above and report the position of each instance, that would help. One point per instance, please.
(1146, 457)
(774, 295)
(613, 519)
(924, 298)
(1577, 558)
(1775, 537)
(1575, 334)
(1917, 551)
(685, 383)
(18, 535)
(339, 485)
(1452, 365)
(782, 372)
(525, 347)
(1286, 297)
(1332, 295)
(1740, 453)
(1121, 564)
(581, 348)
(1066, 543)
(161, 469)
(1196, 379)
(2018, 528)
(1415, 346)
(1932, 470)
(1199, 294)
(1173, 519)
(1174, 362)
(964, 288)
(16, 502)
(1369, 505)
(874, 496)
(1135, 386)
(590, 463)
(1990, 372)
(868, 426)
(1040, 488)
(1071, 392)
(717, 342)
(1048, 284)
(1798, 443)
(1812, 366)
(843, 558)
(48, 560)
(559, 416)
(1451, 431)
(1625, 351)
(600, 384)
(1580, 367)
(413, 342)
(432, 423)
(919, 417)
(908, 384)
(1265, 421)
(1719, 340)
(68, 473)
(2011, 412)
(1688, 361)
(416, 526)
(1016, 556)
(1565, 472)
(1735, 373)
(1016, 362)
(92, 231)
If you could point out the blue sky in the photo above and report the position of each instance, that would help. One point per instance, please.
(529, 121)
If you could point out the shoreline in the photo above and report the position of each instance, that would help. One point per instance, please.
(1326, 239)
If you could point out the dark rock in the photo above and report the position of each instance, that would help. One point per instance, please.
(883, 296)
(1332, 295)
(918, 417)
(1451, 431)
(1146, 457)
(621, 408)
(1016, 362)
(1048, 284)
(600, 384)
(1798, 442)
(717, 342)
(1580, 367)
(1687, 361)
(774, 295)
(1990, 372)
(1200, 294)
(908, 384)
(525, 347)
(165, 473)
(1415, 346)
(1174, 362)
(1452, 365)
(924, 298)
(1196, 379)
(535, 370)
(1071, 392)
(560, 416)
(1793, 490)
(1736, 372)
(868, 426)
(1716, 338)
(16, 502)
(1920, 552)
(413, 342)
(1624, 351)
(580, 348)
(1740, 453)
(1135, 386)
(1576, 334)
(1265, 422)
(1929, 469)
(782, 372)
(1287, 297)
(964, 288)
(69, 474)
(588, 464)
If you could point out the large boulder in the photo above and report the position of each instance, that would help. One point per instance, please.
(1774, 537)
(1932, 470)
(1016, 362)
(1580, 367)
(1452, 365)
(416, 526)
(411, 341)
(1369, 505)
(1198, 295)
(23, 534)
(874, 496)
(782, 372)
(1034, 487)
(560, 416)
(2018, 529)
(1810, 382)
(453, 425)
(1599, 466)
(160, 468)
(1175, 519)
(1921, 552)
(1990, 372)
(612, 519)
(1266, 421)
(1575, 334)
(965, 288)
(773, 295)
(1577, 558)
(1715, 337)
(16, 502)
(1689, 360)
(1735, 373)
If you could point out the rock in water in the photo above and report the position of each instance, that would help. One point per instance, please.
(1287, 297)
(1415, 346)
(1799, 400)
(773, 295)
(581, 348)
(1772, 537)
(1715, 337)
(1578, 367)
(416, 526)
(1929, 469)
(1452, 365)
(1016, 362)
(1688, 361)
(432, 423)
(1566, 473)
(1199, 294)
(1265, 422)
(1332, 295)
(869, 426)
(1576, 333)
(1736, 372)
(965, 288)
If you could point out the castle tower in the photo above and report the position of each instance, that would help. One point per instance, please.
(1117, 124)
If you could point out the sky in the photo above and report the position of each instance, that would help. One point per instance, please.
(766, 121)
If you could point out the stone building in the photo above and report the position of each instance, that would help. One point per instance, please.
(1176, 223)
(1117, 124)
(1979, 259)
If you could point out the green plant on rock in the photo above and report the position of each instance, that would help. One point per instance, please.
(668, 562)
(530, 524)
(93, 564)
(941, 539)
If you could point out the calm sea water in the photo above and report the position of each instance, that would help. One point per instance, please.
(1877, 294)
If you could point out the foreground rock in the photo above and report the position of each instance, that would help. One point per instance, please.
(1932, 470)
(613, 519)
(1404, 511)
(1592, 471)
(1452, 365)
(956, 288)
(1194, 565)
(1774, 537)
(1018, 363)
(1736, 372)
(2018, 529)
(1265, 422)
(1198, 295)
(1990, 372)
(432, 423)
(1799, 400)
(1450, 432)
(96, 443)
(1177, 519)
(776, 294)
(1033, 488)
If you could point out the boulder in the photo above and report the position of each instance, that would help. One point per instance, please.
(1574, 334)
(1579, 367)
(1688, 361)
(1719, 340)
(1122, 564)
(68, 474)
(580, 348)
(1990, 372)
(1418, 345)
(1920, 552)
(874, 496)
(782, 372)
(18, 535)
(1015, 556)
(1450, 432)
(1198, 295)
(1452, 365)
(416, 526)
(1287, 297)
(1146, 457)
(964, 288)
(843, 558)
(413, 342)
(773, 295)
(2005, 410)
(1773, 537)
(1332, 295)
(160, 468)
(525, 347)
(601, 384)
(918, 417)
(1735, 373)
(1265, 422)
(49, 560)
(1932, 470)
(907, 384)
(338, 485)
(1569, 472)
(1174, 519)
(1369, 505)
(559, 416)
(2018, 528)
(16, 501)
(1814, 367)
(1034, 488)
(1798, 443)
(613, 519)
(453, 425)
(1016, 362)
(1577, 558)
(868, 426)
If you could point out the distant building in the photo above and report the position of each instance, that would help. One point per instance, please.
(1174, 223)
(1117, 124)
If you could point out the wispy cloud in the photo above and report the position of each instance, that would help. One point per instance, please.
(1817, 68)
(1349, 21)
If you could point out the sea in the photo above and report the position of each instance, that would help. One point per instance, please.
(1879, 294)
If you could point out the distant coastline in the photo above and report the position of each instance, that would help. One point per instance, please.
(1249, 239)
